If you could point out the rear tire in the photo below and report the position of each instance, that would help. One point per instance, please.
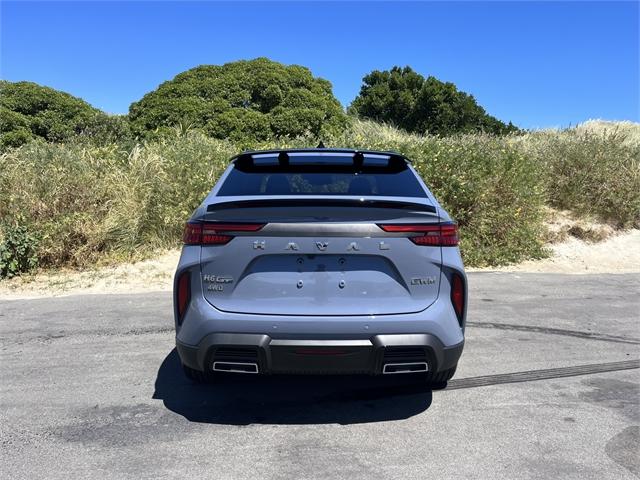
(438, 380)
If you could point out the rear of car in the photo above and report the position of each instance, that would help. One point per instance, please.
(320, 261)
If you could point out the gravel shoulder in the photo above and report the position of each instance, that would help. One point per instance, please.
(617, 254)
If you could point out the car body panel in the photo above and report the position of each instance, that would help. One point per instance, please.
(319, 273)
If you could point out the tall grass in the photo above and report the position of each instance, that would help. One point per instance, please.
(89, 204)
(593, 169)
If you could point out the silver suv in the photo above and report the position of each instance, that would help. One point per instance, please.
(320, 261)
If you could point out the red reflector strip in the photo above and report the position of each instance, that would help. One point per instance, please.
(457, 295)
(442, 234)
(184, 292)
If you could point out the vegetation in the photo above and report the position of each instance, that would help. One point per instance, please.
(96, 204)
(29, 111)
(242, 101)
(80, 188)
(89, 204)
(590, 171)
(406, 99)
(18, 250)
(493, 190)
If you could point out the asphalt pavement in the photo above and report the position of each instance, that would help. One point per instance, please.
(548, 387)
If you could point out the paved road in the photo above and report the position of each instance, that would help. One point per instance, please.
(548, 387)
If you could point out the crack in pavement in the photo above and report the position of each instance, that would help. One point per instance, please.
(545, 374)
(556, 331)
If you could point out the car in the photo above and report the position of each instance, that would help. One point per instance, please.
(320, 261)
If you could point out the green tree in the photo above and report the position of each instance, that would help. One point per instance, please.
(245, 100)
(29, 111)
(406, 99)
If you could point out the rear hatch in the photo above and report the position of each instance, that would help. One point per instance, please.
(299, 263)
(319, 254)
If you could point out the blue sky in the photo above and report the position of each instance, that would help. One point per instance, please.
(536, 64)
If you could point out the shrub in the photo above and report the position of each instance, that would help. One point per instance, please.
(403, 97)
(102, 129)
(18, 250)
(15, 138)
(29, 110)
(93, 204)
(590, 171)
(243, 101)
(490, 187)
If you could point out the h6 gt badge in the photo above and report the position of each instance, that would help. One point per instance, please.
(216, 282)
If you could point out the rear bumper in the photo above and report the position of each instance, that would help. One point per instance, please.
(304, 356)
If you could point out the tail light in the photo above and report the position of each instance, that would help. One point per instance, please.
(457, 296)
(184, 294)
(437, 235)
(209, 233)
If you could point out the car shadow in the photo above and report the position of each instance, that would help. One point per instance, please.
(289, 399)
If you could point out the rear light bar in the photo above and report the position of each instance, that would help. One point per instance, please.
(211, 233)
(437, 235)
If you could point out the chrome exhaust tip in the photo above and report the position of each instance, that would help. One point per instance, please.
(235, 367)
(416, 367)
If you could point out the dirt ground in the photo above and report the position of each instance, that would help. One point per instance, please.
(618, 254)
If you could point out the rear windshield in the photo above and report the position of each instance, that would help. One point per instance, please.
(321, 180)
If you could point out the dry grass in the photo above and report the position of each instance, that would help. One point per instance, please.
(592, 170)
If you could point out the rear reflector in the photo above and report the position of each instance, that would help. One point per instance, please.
(184, 294)
(457, 295)
(209, 233)
(437, 235)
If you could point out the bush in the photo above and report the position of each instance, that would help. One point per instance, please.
(493, 190)
(406, 99)
(243, 101)
(92, 204)
(590, 171)
(102, 129)
(18, 250)
(29, 110)
(15, 138)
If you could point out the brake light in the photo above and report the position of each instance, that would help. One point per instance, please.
(184, 294)
(210, 233)
(437, 235)
(457, 295)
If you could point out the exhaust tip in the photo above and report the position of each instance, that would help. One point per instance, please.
(235, 367)
(415, 367)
